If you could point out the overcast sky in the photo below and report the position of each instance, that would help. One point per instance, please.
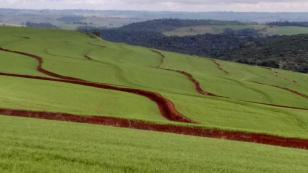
(163, 5)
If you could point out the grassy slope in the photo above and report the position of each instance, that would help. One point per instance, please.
(136, 67)
(60, 97)
(44, 146)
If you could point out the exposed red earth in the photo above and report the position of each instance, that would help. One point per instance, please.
(40, 64)
(166, 107)
(189, 76)
(200, 90)
(196, 83)
(168, 128)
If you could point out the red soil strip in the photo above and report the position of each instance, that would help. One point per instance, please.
(219, 66)
(169, 128)
(202, 92)
(186, 74)
(196, 83)
(165, 106)
(40, 65)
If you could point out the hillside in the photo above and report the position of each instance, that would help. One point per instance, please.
(182, 27)
(279, 52)
(224, 111)
(255, 44)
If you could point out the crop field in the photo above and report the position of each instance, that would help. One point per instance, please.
(167, 110)
(41, 146)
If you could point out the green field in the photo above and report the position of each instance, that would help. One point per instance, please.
(40, 146)
(253, 100)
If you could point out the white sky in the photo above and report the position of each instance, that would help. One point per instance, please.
(163, 5)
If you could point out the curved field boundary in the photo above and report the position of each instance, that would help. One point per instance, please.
(219, 66)
(169, 128)
(196, 83)
(48, 52)
(118, 71)
(189, 76)
(200, 90)
(162, 58)
(40, 64)
(242, 84)
(165, 106)
(278, 106)
(276, 74)
(284, 88)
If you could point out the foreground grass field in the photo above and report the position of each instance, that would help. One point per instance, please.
(55, 72)
(43, 146)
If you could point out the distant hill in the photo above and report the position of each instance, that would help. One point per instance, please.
(72, 19)
(163, 25)
(285, 52)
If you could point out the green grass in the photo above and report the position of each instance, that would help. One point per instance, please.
(13, 63)
(45, 146)
(60, 97)
(136, 67)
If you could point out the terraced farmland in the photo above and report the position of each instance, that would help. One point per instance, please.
(69, 76)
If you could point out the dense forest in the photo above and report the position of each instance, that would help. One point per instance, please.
(162, 25)
(244, 46)
(40, 25)
(287, 23)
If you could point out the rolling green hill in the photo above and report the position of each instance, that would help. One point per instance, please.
(46, 73)
(280, 45)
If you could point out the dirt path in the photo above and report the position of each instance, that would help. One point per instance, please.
(200, 90)
(219, 66)
(165, 106)
(40, 65)
(168, 128)
(194, 81)
(189, 76)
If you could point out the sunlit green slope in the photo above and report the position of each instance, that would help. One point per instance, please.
(252, 97)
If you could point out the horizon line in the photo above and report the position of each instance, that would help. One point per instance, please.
(149, 11)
